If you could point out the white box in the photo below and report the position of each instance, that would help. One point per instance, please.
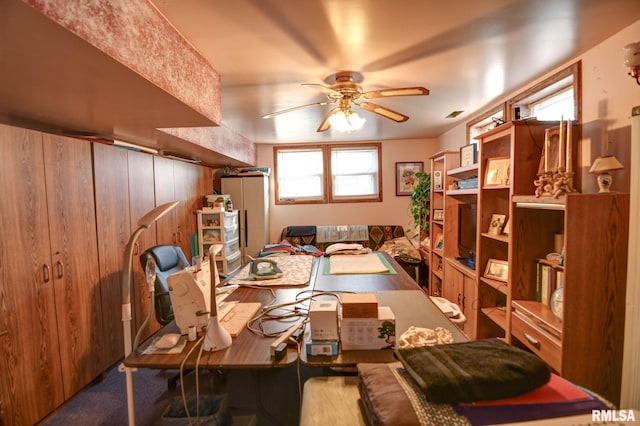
(370, 333)
(323, 316)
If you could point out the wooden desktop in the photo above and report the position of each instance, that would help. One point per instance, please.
(411, 306)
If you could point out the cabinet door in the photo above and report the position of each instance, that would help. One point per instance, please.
(469, 306)
(141, 201)
(256, 205)
(74, 248)
(112, 205)
(167, 232)
(30, 374)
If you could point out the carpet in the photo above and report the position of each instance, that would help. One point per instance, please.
(105, 402)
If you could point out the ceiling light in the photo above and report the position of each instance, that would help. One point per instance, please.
(346, 121)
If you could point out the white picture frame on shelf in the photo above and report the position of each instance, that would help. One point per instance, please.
(437, 180)
(497, 171)
(497, 270)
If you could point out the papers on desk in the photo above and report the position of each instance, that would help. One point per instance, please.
(296, 270)
(357, 264)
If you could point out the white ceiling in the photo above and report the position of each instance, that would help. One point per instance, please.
(467, 53)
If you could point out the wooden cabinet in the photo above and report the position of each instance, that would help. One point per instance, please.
(117, 212)
(51, 322)
(186, 183)
(586, 346)
(216, 226)
(461, 289)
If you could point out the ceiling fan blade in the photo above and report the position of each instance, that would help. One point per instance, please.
(383, 111)
(284, 111)
(324, 89)
(325, 123)
(404, 91)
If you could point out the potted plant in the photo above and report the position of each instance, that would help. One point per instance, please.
(419, 205)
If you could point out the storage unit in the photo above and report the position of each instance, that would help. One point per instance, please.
(509, 156)
(586, 345)
(440, 164)
(250, 195)
(51, 331)
(216, 226)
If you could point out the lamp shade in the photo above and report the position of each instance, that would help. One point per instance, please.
(345, 120)
(605, 163)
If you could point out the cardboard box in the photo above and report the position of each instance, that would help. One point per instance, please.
(359, 305)
(323, 347)
(323, 317)
(370, 333)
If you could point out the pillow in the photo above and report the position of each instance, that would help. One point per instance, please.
(480, 370)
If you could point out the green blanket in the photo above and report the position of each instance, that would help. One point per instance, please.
(480, 370)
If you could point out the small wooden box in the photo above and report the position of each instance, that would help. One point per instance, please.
(359, 305)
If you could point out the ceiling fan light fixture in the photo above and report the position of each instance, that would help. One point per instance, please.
(346, 121)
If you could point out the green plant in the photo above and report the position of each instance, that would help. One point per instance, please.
(419, 205)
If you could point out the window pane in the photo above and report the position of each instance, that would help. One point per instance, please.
(300, 174)
(354, 172)
(357, 185)
(556, 107)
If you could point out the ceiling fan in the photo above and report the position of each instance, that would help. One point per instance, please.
(347, 92)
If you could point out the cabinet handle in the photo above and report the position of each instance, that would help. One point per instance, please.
(179, 236)
(45, 273)
(60, 269)
(175, 238)
(136, 248)
(532, 340)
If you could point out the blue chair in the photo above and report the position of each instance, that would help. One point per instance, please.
(169, 259)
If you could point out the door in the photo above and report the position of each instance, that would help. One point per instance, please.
(30, 373)
(166, 226)
(112, 203)
(74, 252)
(255, 193)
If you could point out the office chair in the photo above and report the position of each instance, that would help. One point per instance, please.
(169, 259)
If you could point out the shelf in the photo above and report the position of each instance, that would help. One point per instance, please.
(456, 192)
(437, 274)
(501, 237)
(464, 172)
(471, 273)
(497, 315)
(498, 285)
(542, 203)
(496, 187)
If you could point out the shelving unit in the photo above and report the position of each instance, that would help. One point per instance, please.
(519, 145)
(216, 226)
(586, 346)
(441, 163)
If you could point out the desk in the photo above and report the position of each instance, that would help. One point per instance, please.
(248, 351)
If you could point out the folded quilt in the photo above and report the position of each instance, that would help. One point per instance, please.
(473, 371)
(332, 234)
(300, 231)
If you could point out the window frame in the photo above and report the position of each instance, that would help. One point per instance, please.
(508, 107)
(328, 197)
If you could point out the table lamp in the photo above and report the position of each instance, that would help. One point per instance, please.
(603, 165)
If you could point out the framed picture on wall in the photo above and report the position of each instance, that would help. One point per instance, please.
(406, 177)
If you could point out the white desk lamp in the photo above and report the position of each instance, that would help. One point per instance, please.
(147, 220)
(217, 337)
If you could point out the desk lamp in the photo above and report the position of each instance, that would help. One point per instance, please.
(217, 337)
(147, 220)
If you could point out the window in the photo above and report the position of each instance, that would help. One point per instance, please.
(557, 97)
(554, 99)
(327, 173)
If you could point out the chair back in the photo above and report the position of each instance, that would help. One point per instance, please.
(169, 259)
